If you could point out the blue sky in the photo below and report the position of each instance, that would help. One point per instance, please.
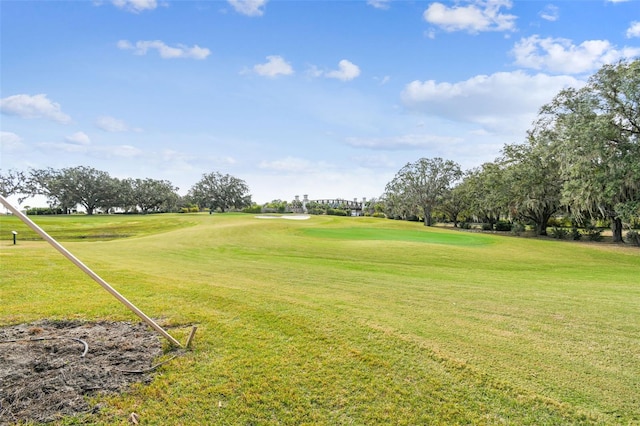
(325, 98)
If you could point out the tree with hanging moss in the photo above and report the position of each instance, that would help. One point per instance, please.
(532, 171)
(597, 133)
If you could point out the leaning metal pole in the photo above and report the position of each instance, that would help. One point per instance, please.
(88, 271)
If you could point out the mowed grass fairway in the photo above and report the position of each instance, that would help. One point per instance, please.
(344, 321)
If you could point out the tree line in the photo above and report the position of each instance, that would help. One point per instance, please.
(580, 160)
(95, 190)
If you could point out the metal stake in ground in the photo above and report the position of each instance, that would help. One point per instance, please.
(66, 253)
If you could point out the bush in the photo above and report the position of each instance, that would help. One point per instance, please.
(43, 211)
(336, 212)
(252, 209)
(379, 214)
(593, 233)
(633, 237)
(576, 235)
(503, 226)
(487, 227)
(559, 222)
(559, 233)
(517, 228)
(465, 225)
(190, 209)
(554, 222)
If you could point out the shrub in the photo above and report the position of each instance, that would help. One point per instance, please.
(576, 235)
(465, 225)
(44, 211)
(487, 227)
(554, 222)
(336, 212)
(559, 233)
(517, 228)
(593, 233)
(633, 237)
(253, 209)
(379, 214)
(560, 222)
(503, 226)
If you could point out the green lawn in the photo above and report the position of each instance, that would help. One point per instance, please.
(348, 320)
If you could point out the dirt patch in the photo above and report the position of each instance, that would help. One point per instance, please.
(48, 368)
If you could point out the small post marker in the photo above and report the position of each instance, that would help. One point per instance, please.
(14, 237)
(191, 335)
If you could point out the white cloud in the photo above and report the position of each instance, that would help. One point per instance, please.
(165, 51)
(275, 66)
(135, 6)
(634, 29)
(111, 124)
(79, 138)
(502, 102)
(560, 55)
(249, 7)
(379, 4)
(10, 142)
(550, 13)
(36, 106)
(475, 17)
(346, 71)
(409, 141)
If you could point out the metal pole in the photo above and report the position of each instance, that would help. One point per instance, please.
(88, 271)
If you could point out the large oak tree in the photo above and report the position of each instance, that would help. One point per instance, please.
(597, 130)
(422, 184)
(532, 174)
(218, 191)
(71, 186)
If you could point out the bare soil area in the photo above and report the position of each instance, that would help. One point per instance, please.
(49, 368)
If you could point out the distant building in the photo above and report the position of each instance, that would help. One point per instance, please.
(356, 207)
